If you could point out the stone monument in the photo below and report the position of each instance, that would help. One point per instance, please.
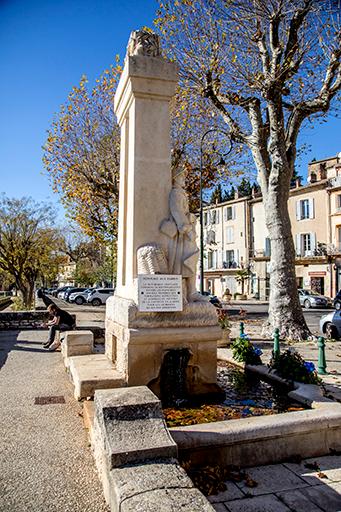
(156, 237)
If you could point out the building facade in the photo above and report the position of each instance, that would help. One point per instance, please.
(237, 246)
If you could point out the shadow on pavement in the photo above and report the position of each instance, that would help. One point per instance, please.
(7, 341)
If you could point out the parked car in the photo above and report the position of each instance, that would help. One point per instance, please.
(61, 294)
(213, 299)
(79, 297)
(99, 296)
(330, 325)
(59, 290)
(337, 300)
(311, 299)
(68, 292)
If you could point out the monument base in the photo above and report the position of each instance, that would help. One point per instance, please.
(138, 342)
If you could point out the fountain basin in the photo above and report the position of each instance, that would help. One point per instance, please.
(265, 439)
(243, 394)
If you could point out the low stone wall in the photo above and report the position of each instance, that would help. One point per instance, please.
(136, 457)
(14, 320)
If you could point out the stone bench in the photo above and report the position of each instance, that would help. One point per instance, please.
(76, 343)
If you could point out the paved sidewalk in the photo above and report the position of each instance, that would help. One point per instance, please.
(45, 459)
(314, 485)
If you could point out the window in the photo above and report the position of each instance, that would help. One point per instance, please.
(230, 212)
(212, 259)
(305, 209)
(210, 237)
(267, 250)
(229, 235)
(338, 202)
(230, 260)
(305, 244)
(215, 217)
(205, 218)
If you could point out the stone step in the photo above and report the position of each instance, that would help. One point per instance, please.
(91, 372)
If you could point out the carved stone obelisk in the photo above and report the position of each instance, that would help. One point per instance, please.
(156, 232)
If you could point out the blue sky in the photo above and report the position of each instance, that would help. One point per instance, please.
(45, 47)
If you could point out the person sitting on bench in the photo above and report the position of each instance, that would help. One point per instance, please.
(61, 321)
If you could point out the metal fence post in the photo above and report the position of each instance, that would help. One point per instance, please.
(321, 363)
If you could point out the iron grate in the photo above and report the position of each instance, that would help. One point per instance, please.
(46, 400)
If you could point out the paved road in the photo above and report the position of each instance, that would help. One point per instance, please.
(254, 311)
(90, 315)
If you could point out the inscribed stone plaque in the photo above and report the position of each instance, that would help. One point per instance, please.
(160, 292)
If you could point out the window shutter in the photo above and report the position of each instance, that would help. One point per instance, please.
(298, 245)
(298, 210)
(311, 208)
(233, 212)
(313, 242)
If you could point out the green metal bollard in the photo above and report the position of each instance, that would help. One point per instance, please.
(241, 328)
(276, 349)
(321, 363)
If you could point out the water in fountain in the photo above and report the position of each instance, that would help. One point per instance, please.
(173, 385)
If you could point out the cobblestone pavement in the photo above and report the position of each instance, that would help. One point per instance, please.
(290, 487)
(45, 459)
(314, 485)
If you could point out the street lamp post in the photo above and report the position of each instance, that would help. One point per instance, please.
(201, 213)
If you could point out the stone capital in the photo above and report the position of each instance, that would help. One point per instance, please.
(145, 77)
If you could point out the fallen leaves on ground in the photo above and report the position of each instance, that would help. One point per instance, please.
(211, 480)
(249, 482)
(321, 475)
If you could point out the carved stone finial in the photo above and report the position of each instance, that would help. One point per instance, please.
(145, 43)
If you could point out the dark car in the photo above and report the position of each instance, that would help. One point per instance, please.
(337, 300)
(213, 299)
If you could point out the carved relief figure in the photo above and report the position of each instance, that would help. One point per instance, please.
(183, 253)
(144, 43)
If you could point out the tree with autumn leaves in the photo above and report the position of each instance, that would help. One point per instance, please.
(265, 67)
(81, 155)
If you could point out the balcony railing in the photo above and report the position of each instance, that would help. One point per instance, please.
(335, 182)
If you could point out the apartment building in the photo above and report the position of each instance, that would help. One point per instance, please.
(66, 273)
(236, 237)
(226, 244)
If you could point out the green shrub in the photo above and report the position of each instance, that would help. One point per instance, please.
(244, 351)
(291, 365)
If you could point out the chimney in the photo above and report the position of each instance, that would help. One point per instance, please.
(312, 178)
(322, 172)
(298, 182)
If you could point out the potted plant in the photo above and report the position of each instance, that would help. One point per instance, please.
(223, 321)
